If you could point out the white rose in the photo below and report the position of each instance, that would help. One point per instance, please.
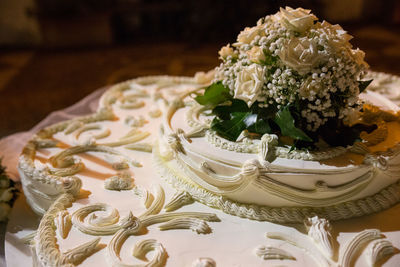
(256, 54)
(4, 211)
(336, 36)
(299, 19)
(225, 51)
(308, 86)
(300, 54)
(248, 34)
(249, 83)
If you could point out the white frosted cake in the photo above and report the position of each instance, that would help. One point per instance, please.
(285, 130)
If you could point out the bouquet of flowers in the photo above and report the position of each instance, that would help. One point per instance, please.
(7, 194)
(289, 75)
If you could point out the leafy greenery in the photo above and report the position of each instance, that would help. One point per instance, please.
(231, 129)
(260, 126)
(233, 116)
(362, 85)
(214, 95)
(224, 111)
(286, 123)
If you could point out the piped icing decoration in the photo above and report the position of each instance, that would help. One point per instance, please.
(318, 244)
(144, 147)
(379, 249)
(145, 195)
(273, 253)
(63, 223)
(196, 225)
(122, 181)
(155, 113)
(267, 147)
(108, 225)
(356, 244)
(158, 202)
(145, 246)
(104, 132)
(180, 199)
(319, 229)
(204, 262)
(80, 253)
(305, 243)
(45, 249)
(89, 221)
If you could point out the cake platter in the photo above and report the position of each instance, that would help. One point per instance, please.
(155, 178)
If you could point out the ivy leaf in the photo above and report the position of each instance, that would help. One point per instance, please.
(215, 94)
(230, 129)
(258, 125)
(285, 121)
(224, 111)
(362, 85)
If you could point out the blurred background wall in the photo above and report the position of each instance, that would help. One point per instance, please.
(66, 23)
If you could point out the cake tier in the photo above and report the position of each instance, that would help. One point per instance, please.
(94, 178)
(260, 180)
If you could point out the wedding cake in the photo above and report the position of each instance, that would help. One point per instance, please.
(289, 128)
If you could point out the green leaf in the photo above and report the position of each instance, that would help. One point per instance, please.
(362, 85)
(215, 94)
(255, 124)
(250, 120)
(261, 126)
(224, 111)
(230, 129)
(285, 121)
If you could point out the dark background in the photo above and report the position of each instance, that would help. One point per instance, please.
(55, 52)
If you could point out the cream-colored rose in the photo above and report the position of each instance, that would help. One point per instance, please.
(249, 83)
(299, 19)
(248, 34)
(301, 54)
(308, 86)
(225, 51)
(256, 54)
(336, 36)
